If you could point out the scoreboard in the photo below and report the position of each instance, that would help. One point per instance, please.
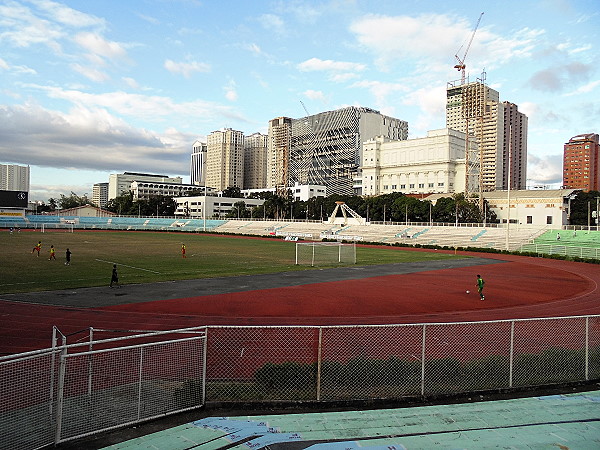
(14, 199)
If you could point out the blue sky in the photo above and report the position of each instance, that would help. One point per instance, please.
(89, 88)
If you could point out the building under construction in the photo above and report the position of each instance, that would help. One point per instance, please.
(326, 147)
(499, 129)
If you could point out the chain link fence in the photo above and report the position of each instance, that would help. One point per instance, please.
(70, 391)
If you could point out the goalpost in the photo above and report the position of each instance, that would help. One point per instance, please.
(315, 253)
(68, 227)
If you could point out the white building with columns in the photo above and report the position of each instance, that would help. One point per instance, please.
(432, 164)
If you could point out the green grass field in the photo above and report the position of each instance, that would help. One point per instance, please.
(144, 257)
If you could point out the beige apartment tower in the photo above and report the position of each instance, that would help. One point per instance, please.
(255, 161)
(225, 159)
(278, 150)
(499, 129)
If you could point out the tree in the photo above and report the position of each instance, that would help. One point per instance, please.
(239, 210)
(122, 205)
(233, 192)
(72, 201)
(579, 208)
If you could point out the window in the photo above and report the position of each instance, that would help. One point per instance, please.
(412, 186)
(430, 185)
(402, 186)
(549, 220)
(421, 185)
(530, 219)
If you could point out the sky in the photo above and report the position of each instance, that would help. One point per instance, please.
(90, 88)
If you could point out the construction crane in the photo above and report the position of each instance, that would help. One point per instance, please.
(461, 61)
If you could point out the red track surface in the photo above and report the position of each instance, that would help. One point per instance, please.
(522, 287)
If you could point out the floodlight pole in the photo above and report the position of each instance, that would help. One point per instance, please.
(204, 210)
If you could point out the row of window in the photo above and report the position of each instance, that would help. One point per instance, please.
(411, 186)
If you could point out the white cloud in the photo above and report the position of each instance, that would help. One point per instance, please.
(152, 108)
(88, 139)
(383, 92)
(22, 28)
(545, 169)
(186, 68)
(231, 91)
(4, 64)
(272, 23)
(92, 74)
(97, 45)
(314, 95)
(131, 82)
(585, 88)
(68, 16)
(427, 41)
(316, 64)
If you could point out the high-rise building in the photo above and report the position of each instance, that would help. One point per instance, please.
(120, 183)
(198, 164)
(255, 161)
(14, 177)
(100, 194)
(475, 108)
(326, 148)
(279, 142)
(225, 159)
(581, 164)
(514, 150)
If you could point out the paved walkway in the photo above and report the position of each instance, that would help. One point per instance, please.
(569, 421)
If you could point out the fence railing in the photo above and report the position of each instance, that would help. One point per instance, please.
(563, 250)
(69, 391)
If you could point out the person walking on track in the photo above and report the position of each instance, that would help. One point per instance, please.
(480, 284)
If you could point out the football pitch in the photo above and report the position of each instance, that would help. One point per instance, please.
(145, 257)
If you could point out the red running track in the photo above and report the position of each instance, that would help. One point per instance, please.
(519, 287)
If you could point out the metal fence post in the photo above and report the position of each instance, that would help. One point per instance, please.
(423, 360)
(204, 365)
(140, 374)
(319, 354)
(587, 347)
(60, 393)
(512, 348)
(90, 368)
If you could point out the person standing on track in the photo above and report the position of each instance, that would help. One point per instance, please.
(52, 253)
(115, 277)
(183, 250)
(480, 284)
(68, 257)
(37, 248)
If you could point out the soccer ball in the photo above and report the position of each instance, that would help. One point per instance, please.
(468, 292)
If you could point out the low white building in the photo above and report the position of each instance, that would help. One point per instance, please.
(431, 164)
(120, 183)
(533, 207)
(210, 206)
(300, 192)
(143, 190)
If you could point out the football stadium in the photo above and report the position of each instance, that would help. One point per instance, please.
(257, 333)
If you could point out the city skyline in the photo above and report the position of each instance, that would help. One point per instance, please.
(107, 87)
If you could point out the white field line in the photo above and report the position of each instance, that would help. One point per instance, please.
(131, 267)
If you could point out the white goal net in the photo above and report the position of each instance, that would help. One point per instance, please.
(318, 253)
(68, 227)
